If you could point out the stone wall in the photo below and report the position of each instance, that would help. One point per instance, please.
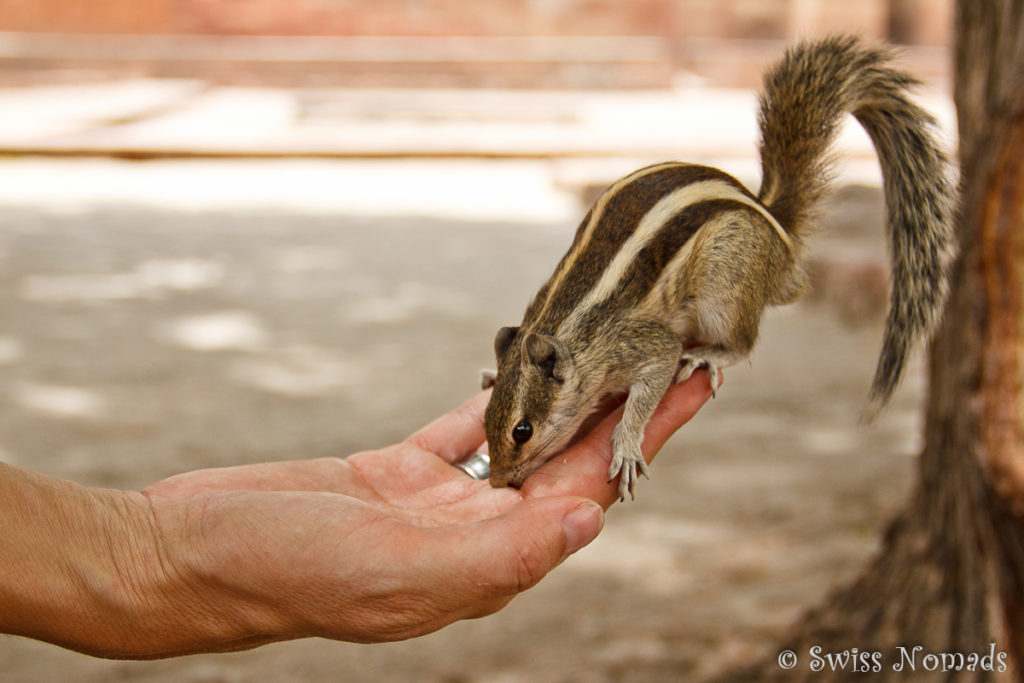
(444, 43)
(917, 21)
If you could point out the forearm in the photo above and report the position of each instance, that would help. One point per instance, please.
(88, 569)
(56, 569)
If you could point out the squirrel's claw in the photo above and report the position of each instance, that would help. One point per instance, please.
(628, 465)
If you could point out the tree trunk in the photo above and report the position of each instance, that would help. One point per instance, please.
(950, 575)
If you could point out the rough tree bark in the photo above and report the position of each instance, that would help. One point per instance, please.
(950, 575)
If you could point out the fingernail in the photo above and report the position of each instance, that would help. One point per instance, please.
(581, 526)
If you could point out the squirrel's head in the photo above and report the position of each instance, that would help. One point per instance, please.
(525, 420)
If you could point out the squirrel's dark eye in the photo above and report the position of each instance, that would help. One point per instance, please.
(522, 432)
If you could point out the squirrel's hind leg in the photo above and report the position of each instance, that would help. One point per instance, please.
(733, 272)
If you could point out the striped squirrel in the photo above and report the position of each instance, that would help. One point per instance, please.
(673, 265)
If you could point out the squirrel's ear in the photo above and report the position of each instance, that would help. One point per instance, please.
(487, 378)
(548, 354)
(503, 339)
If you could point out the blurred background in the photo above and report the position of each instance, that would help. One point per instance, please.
(250, 230)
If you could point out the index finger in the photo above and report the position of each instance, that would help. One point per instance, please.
(456, 434)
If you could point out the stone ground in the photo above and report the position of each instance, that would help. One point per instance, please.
(141, 339)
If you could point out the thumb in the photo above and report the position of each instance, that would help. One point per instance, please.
(505, 555)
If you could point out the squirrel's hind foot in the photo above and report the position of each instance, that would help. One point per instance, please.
(691, 362)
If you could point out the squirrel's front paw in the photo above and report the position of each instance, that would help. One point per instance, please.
(628, 460)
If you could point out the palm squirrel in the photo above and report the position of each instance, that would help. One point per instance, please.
(672, 267)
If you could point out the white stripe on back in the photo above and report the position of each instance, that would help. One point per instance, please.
(651, 224)
(595, 219)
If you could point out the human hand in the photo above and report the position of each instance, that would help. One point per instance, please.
(382, 545)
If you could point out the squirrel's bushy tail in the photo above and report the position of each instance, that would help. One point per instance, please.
(803, 102)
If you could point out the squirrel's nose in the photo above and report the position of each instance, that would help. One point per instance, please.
(500, 480)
